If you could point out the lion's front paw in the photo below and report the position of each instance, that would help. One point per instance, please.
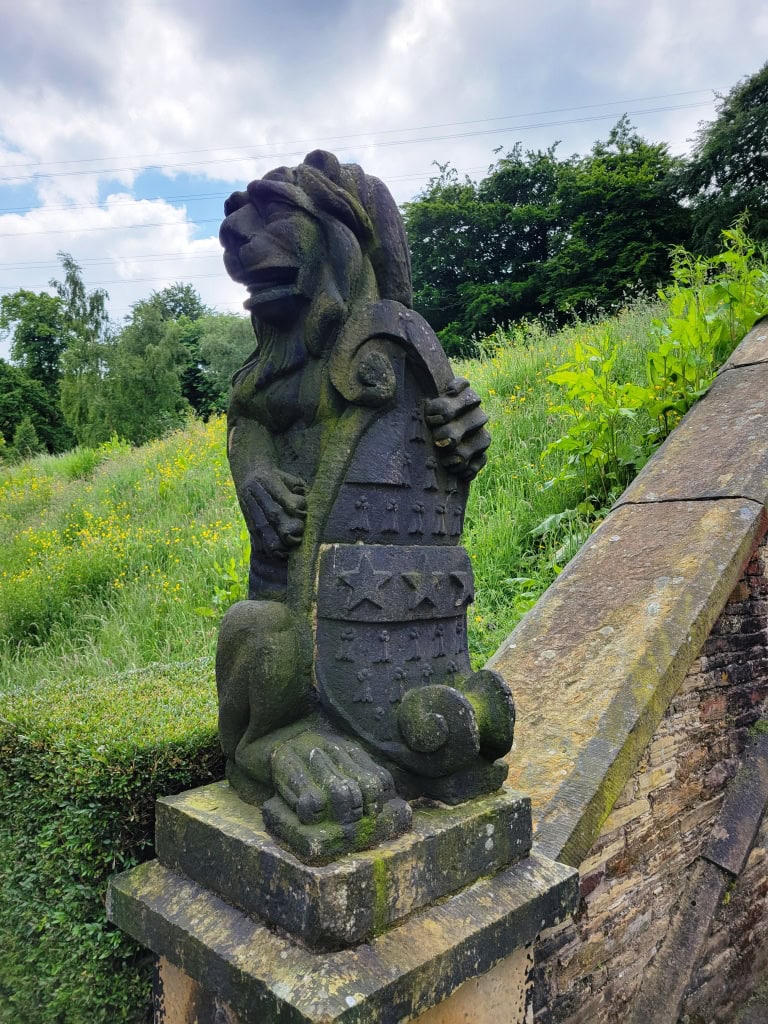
(332, 798)
(274, 504)
(457, 423)
(324, 777)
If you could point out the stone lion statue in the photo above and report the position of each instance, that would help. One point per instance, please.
(344, 680)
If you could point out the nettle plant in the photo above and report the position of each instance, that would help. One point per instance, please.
(599, 452)
(615, 425)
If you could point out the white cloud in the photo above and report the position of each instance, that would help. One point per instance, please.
(129, 247)
(213, 89)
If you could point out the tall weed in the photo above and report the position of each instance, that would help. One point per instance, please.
(616, 420)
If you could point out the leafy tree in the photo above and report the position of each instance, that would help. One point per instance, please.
(226, 341)
(26, 443)
(542, 235)
(178, 300)
(87, 337)
(34, 322)
(727, 174)
(142, 393)
(442, 227)
(21, 397)
(477, 249)
(181, 304)
(620, 214)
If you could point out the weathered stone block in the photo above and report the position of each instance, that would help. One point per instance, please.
(400, 974)
(731, 841)
(606, 650)
(220, 842)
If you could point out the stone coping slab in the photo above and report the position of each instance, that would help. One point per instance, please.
(220, 842)
(753, 349)
(595, 663)
(410, 968)
(718, 450)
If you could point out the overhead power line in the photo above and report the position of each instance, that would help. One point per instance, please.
(372, 145)
(136, 280)
(193, 197)
(93, 261)
(108, 227)
(184, 197)
(367, 134)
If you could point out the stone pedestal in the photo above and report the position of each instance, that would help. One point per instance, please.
(503, 995)
(247, 934)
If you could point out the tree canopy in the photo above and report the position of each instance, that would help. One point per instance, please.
(76, 377)
(35, 323)
(728, 172)
(477, 248)
(544, 235)
(619, 217)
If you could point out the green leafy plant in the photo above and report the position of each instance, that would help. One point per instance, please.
(231, 580)
(616, 424)
(596, 445)
(712, 303)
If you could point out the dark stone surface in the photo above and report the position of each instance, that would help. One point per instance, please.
(739, 820)
(352, 445)
(219, 841)
(402, 973)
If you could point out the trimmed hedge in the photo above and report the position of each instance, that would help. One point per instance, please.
(81, 765)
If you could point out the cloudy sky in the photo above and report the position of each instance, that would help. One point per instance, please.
(125, 123)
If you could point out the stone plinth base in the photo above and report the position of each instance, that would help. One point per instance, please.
(219, 841)
(501, 996)
(256, 976)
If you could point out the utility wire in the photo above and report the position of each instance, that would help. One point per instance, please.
(137, 280)
(370, 145)
(194, 197)
(110, 227)
(131, 227)
(199, 197)
(92, 261)
(365, 135)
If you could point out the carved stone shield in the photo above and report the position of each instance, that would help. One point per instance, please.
(393, 582)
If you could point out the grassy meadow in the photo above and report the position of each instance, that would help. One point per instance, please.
(116, 559)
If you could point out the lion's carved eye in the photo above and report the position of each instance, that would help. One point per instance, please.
(275, 210)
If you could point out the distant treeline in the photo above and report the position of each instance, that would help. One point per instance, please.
(540, 235)
(76, 378)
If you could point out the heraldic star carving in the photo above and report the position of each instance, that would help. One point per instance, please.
(425, 585)
(364, 582)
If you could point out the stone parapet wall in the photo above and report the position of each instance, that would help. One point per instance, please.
(734, 958)
(641, 679)
(636, 871)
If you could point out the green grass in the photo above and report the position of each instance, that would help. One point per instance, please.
(515, 556)
(108, 556)
(106, 571)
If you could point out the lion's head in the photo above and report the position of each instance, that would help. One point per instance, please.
(321, 228)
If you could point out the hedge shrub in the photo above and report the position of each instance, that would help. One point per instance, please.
(81, 765)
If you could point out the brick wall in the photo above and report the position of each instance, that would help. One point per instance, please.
(637, 869)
